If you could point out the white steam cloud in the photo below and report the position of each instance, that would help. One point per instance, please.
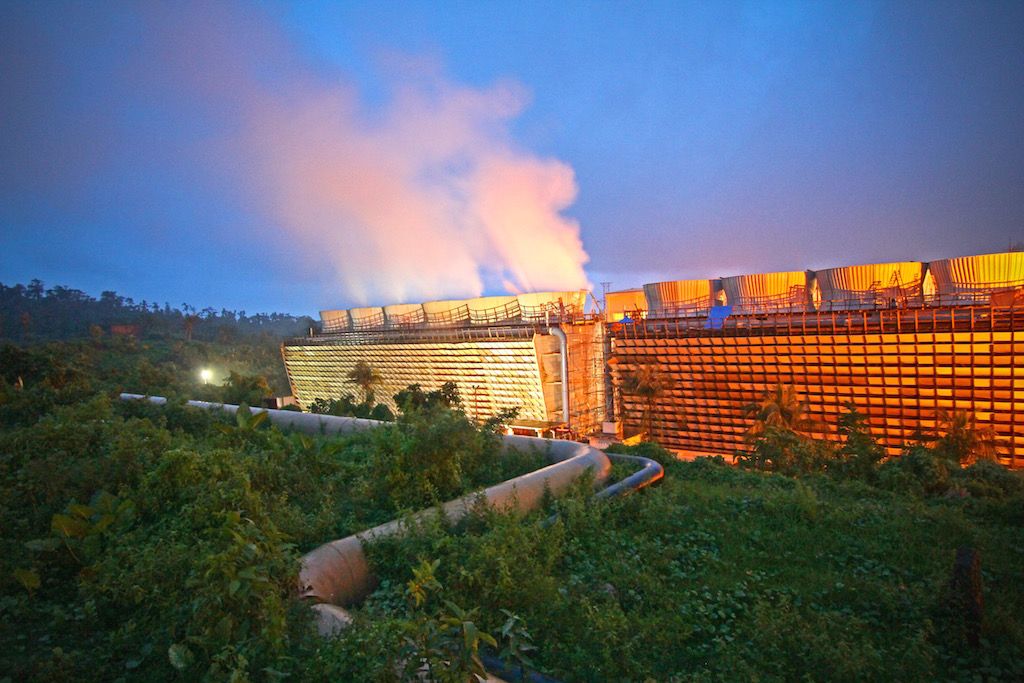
(427, 197)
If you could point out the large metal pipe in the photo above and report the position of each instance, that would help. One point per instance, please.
(650, 471)
(338, 573)
(310, 423)
(563, 343)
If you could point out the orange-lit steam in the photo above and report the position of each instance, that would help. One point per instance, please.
(424, 196)
(427, 199)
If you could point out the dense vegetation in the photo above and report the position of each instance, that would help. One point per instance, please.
(140, 541)
(814, 559)
(32, 313)
(147, 543)
(723, 574)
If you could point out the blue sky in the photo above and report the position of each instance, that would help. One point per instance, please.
(299, 156)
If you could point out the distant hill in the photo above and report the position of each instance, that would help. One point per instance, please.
(34, 313)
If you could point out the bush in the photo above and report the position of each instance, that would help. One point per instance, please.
(162, 542)
(989, 479)
(779, 449)
(647, 449)
(918, 471)
(859, 455)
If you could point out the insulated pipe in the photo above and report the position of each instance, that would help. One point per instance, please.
(338, 572)
(310, 423)
(563, 342)
(650, 471)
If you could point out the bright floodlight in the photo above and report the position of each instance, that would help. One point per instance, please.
(206, 375)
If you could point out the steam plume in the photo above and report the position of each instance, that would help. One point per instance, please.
(424, 196)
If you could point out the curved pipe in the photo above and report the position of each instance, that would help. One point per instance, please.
(650, 472)
(338, 573)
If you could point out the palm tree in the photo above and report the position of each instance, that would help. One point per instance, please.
(962, 439)
(780, 407)
(648, 384)
(366, 378)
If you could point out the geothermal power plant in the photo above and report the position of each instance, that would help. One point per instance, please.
(904, 342)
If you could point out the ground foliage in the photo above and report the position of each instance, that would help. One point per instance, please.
(147, 543)
(725, 574)
(161, 543)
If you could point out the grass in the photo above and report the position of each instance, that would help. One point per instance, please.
(148, 543)
(720, 574)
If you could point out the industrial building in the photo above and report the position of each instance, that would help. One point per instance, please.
(537, 353)
(902, 341)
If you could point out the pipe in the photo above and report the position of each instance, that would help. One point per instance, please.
(338, 573)
(310, 423)
(650, 472)
(563, 343)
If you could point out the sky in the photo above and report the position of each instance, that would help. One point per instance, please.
(294, 157)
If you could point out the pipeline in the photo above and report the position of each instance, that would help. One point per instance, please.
(563, 345)
(338, 574)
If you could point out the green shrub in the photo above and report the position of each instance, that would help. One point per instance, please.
(989, 479)
(918, 471)
(647, 449)
(859, 455)
(779, 449)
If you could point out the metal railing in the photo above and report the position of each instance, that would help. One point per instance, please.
(463, 317)
(371, 322)
(410, 319)
(450, 318)
(498, 314)
(687, 308)
(417, 333)
(883, 321)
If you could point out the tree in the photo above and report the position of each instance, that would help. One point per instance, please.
(783, 408)
(647, 384)
(35, 289)
(413, 398)
(247, 389)
(860, 453)
(190, 323)
(780, 434)
(366, 378)
(961, 440)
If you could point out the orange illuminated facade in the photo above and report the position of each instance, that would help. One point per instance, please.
(899, 367)
(902, 341)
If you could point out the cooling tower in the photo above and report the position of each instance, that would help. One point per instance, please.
(678, 298)
(335, 321)
(446, 312)
(628, 302)
(492, 309)
(768, 292)
(879, 285)
(539, 305)
(370, 317)
(974, 278)
(404, 315)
